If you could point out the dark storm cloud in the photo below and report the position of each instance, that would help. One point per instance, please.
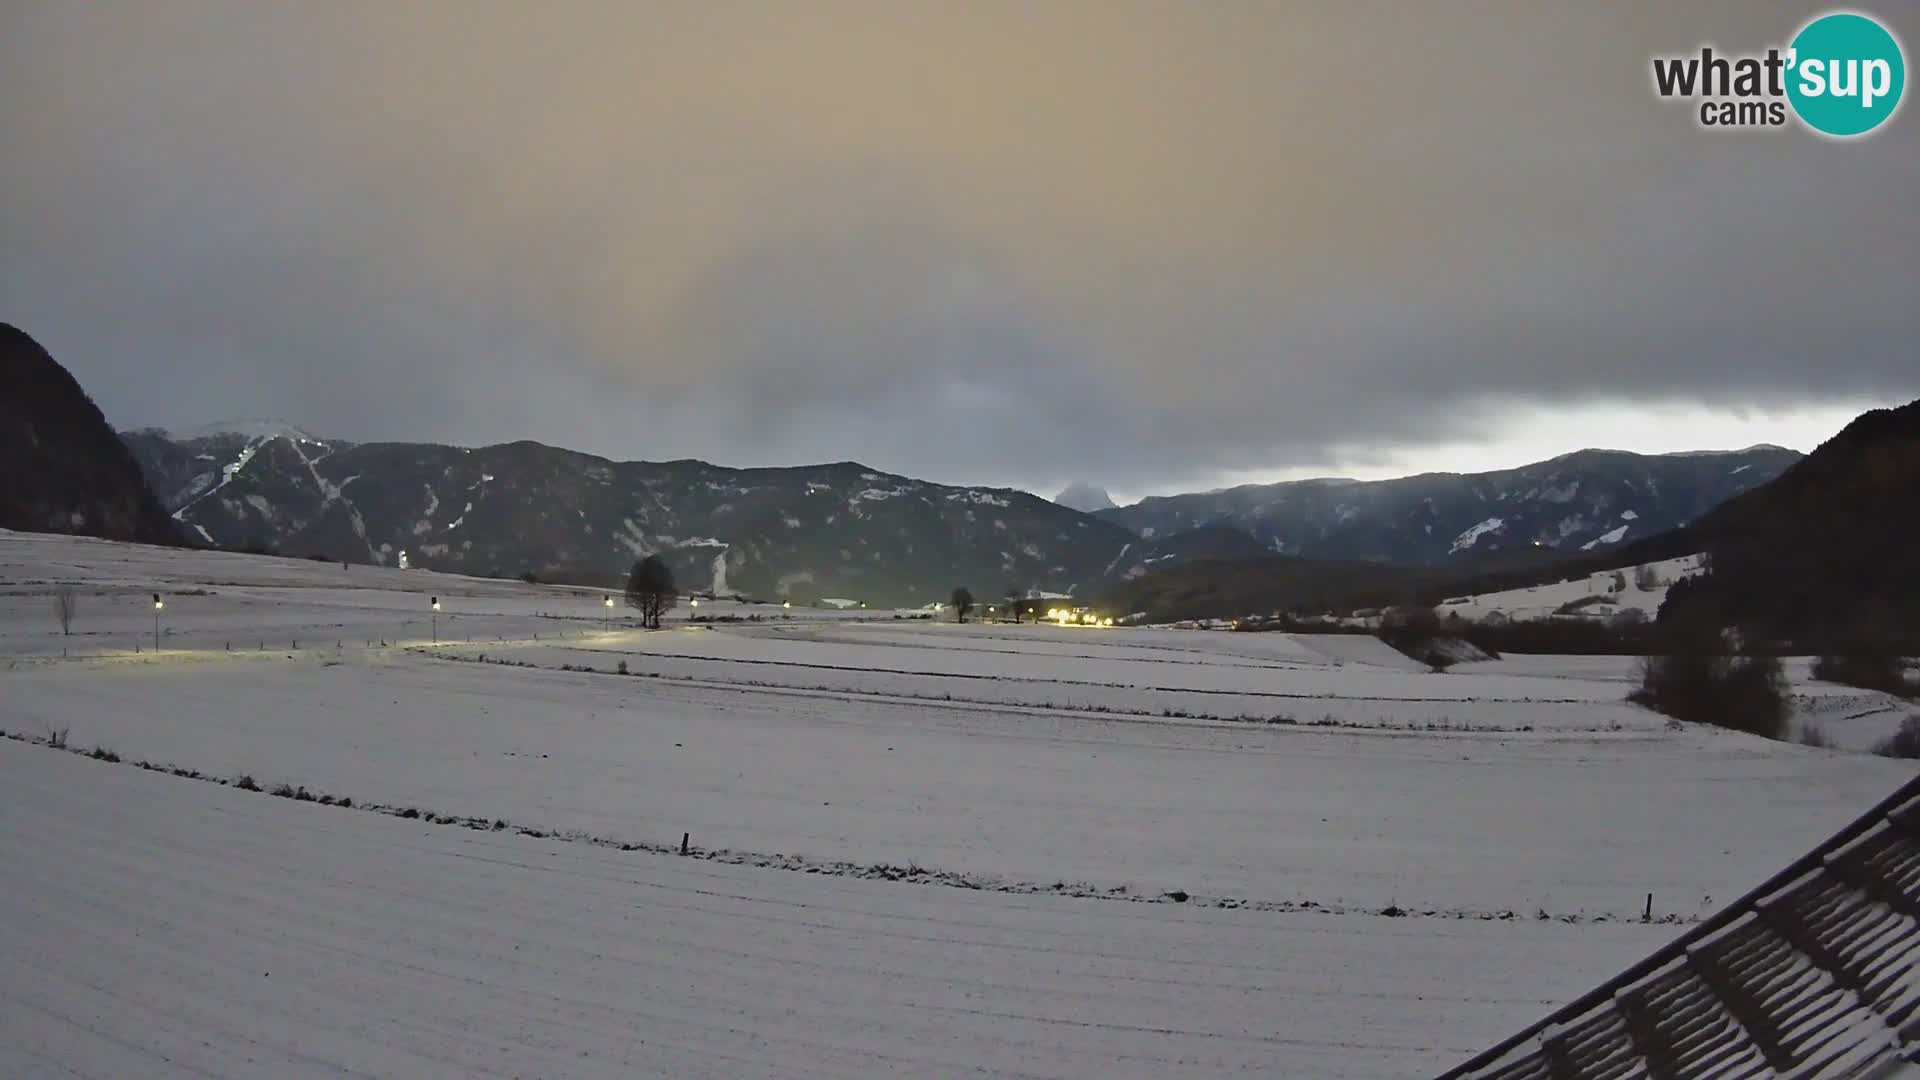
(1138, 243)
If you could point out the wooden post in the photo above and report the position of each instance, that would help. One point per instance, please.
(684, 837)
(1648, 917)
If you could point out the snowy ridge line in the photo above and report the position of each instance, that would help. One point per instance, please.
(911, 873)
(1119, 715)
(1280, 694)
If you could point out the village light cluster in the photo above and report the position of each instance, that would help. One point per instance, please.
(1067, 617)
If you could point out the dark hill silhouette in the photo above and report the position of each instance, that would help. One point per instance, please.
(1826, 550)
(62, 467)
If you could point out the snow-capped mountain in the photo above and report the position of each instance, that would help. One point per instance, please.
(247, 427)
(840, 530)
(845, 530)
(1584, 501)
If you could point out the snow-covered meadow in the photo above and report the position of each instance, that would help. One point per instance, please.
(912, 847)
(1603, 594)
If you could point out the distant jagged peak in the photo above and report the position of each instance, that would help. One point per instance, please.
(1085, 498)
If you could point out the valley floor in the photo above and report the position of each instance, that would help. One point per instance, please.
(913, 847)
(157, 926)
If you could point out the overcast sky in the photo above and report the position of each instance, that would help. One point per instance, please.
(1155, 246)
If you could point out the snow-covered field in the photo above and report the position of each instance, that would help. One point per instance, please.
(153, 926)
(914, 847)
(1595, 591)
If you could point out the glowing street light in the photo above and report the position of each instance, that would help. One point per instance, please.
(786, 603)
(436, 619)
(608, 624)
(157, 605)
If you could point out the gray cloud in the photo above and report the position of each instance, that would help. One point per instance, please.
(1140, 243)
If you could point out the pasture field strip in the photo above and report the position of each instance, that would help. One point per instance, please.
(935, 689)
(1218, 647)
(1477, 823)
(1358, 691)
(269, 937)
(857, 637)
(1361, 681)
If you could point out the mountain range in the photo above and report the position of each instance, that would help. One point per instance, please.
(1818, 557)
(1583, 501)
(845, 530)
(840, 530)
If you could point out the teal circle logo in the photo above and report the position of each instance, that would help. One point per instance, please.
(1846, 74)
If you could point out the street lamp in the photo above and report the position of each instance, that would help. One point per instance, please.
(436, 620)
(608, 624)
(157, 605)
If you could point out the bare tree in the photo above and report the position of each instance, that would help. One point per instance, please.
(1646, 578)
(962, 602)
(650, 589)
(64, 606)
(1015, 598)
